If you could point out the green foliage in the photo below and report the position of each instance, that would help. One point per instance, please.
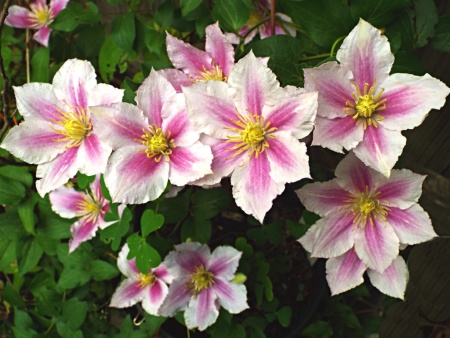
(76, 14)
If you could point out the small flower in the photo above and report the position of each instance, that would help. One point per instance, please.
(90, 208)
(203, 283)
(260, 18)
(150, 288)
(253, 126)
(367, 213)
(193, 65)
(38, 18)
(152, 145)
(362, 107)
(57, 133)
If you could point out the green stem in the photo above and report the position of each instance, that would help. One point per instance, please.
(318, 56)
(27, 54)
(335, 44)
(188, 333)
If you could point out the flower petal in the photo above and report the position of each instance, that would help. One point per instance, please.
(333, 82)
(210, 108)
(93, 156)
(177, 78)
(186, 257)
(288, 159)
(127, 294)
(377, 245)
(42, 36)
(254, 85)
(410, 98)
(33, 141)
(133, 178)
(412, 225)
(82, 231)
(345, 272)
(177, 299)
(219, 48)
(380, 148)
(337, 133)
(57, 172)
(57, 6)
(162, 273)
(367, 54)
(74, 82)
(37, 100)
(154, 297)
(322, 198)
(295, 114)
(253, 188)
(188, 164)
(125, 265)
(402, 189)
(186, 57)
(104, 94)
(393, 280)
(202, 310)
(224, 262)
(233, 297)
(65, 202)
(119, 125)
(19, 17)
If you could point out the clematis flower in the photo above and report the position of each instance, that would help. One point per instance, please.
(193, 65)
(253, 126)
(38, 17)
(150, 288)
(202, 284)
(260, 18)
(364, 212)
(57, 133)
(152, 145)
(362, 107)
(90, 208)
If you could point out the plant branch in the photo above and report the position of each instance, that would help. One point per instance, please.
(272, 17)
(3, 72)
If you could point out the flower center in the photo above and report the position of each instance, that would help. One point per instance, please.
(91, 207)
(365, 206)
(42, 15)
(200, 280)
(215, 74)
(147, 279)
(157, 144)
(252, 133)
(76, 126)
(367, 106)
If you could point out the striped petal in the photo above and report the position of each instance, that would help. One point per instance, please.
(202, 310)
(93, 156)
(233, 297)
(219, 48)
(128, 293)
(224, 262)
(66, 201)
(37, 100)
(19, 17)
(177, 299)
(154, 297)
(125, 265)
(82, 230)
(393, 280)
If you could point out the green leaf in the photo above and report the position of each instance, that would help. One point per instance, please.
(76, 14)
(426, 20)
(209, 202)
(23, 324)
(109, 58)
(441, 40)
(146, 256)
(101, 270)
(319, 329)
(255, 332)
(164, 14)
(284, 316)
(65, 331)
(175, 209)
(70, 278)
(89, 41)
(11, 192)
(231, 14)
(83, 180)
(123, 31)
(407, 62)
(114, 232)
(74, 312)
(17, 174)
(31, 254)
(155, 41)
(7, 252)
(323, 26)
(39, 65)
(130, 90)
(12, 296)
(404, 26)
(197, 230)
(297, 229)
(26, 213)
(377, 12)
(268, 289)
(188, 6)
(151, 222)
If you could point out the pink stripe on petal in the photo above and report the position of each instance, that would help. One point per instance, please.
(154, 297)
(233, 297)
(19, 17)
(322, 198)
(65, 202)
(380, 148)
(412, 225)
(127, 294)
(42, 36)
(125, 265)
(177, 78)
(177, 298)
(162, 273)
(93, 156)
(57, 6)
(187, 257)
(354, 176)
(377, 245)
(202, 310)
(219, 48)
(82, 231)
(37, 100)
(393, 280)
(224, 262)
(104, 94)
(338, 133)
(345, 272)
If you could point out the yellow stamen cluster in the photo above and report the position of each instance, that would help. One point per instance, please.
(200, 280)
(367, 106)
(76, 126)
(215, 74)
(157, 144)
(146, 280)
(42, 15)
(91, 207)
(252, 133)
(365, 206)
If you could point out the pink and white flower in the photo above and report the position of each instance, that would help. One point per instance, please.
(364, 212)
(89, 207)
(253, 126)
(203, 283)
(362, 107)
(38, 17)
(260, 18)
(152, 145)
(151, 288)
(57, 133)
(193, 65)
